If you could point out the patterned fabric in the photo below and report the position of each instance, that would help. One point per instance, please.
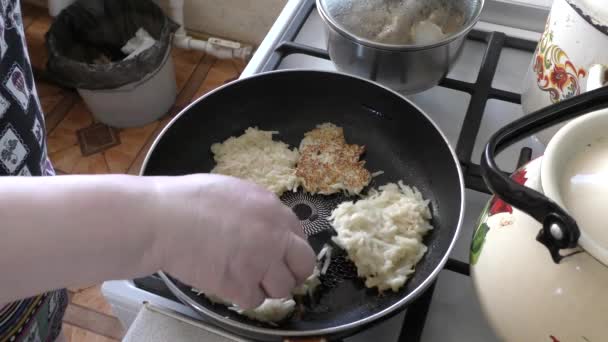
(23, 153)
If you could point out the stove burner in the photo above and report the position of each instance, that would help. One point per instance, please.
(312, 210)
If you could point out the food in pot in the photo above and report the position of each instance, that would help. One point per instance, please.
(254, 156)
(400, 22)
(383, 234)
(329, 165)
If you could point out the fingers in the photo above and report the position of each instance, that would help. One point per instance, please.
(300, 259)
(239, 287)
(250, 298)
(278, 281)
(293, 223)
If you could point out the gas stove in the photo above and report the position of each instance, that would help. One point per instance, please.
(480, 95)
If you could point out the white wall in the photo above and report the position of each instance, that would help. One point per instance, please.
(242, 20)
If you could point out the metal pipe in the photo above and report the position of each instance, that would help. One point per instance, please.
(219, 48)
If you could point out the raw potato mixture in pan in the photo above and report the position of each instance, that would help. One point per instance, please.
(382, 232)
(254, 156)
(272, 310)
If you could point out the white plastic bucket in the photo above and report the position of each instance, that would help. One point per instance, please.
(135, 104)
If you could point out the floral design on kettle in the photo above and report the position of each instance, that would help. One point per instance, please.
(555, 72)
(494, 207)
(498, 206)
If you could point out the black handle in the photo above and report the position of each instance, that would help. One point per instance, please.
(560, 230)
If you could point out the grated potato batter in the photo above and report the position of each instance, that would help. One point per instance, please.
(271, 310)
(255, 157)
(383, 233)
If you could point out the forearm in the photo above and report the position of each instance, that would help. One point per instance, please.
(74, 230)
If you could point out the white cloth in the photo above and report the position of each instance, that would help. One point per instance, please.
(155, 325)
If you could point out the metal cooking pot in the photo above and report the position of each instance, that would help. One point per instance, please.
(407, 68)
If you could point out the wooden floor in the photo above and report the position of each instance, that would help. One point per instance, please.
(72, 131)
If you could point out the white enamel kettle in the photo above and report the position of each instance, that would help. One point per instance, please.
(539, 257)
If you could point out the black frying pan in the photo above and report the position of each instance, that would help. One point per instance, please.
(401, 141)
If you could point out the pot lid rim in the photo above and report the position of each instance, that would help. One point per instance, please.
(596, 16)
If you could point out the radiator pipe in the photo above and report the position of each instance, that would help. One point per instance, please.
(219, 48)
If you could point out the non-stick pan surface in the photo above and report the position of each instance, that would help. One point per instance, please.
(401, 141)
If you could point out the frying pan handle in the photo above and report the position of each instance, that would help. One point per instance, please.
(560, 230)
(306, 339)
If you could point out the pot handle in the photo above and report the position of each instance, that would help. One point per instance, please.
(560, 230)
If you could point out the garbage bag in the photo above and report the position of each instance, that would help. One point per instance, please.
(85, 41)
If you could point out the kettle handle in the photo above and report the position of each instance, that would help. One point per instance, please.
(560, 231)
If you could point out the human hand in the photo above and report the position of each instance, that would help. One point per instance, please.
(230, 238)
